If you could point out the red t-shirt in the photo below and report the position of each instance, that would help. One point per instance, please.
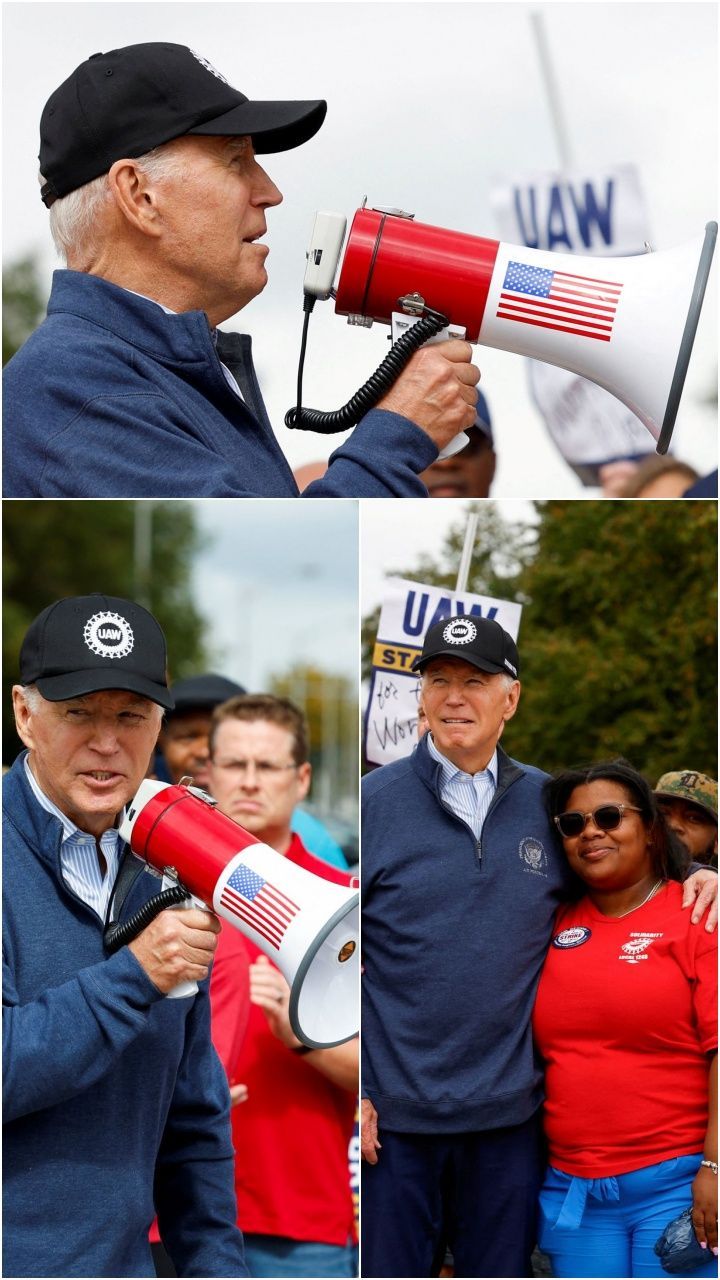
(229, 1006)
(624, 1019)
(292, 1135)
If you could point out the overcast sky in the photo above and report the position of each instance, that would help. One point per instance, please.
(429, 104)
(277, 584)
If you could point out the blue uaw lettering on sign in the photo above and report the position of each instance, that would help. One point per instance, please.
(569, 210)
(446, 608)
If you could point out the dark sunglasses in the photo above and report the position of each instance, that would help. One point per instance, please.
(607, 817)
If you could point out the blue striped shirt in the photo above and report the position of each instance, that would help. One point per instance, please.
(469, 795)
(78, 855)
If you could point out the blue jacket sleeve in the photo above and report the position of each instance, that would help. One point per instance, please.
(381, 459)
(194, 1174)
(69, 1038)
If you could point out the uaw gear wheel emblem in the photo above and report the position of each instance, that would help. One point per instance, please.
(109, 635)
(461, 631)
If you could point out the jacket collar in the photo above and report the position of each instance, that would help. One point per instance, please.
(176, 339)
(41, 830)
(430, 770)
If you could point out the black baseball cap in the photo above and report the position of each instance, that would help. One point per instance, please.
(480, 641)
(204, 691)
(126, 102)
(85, 644)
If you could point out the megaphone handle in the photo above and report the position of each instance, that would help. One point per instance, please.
(457, 443)
(183, 989)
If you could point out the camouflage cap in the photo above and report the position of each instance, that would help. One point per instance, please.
(698, 788)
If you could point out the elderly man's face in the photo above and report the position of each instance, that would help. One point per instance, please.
(212, 216)
(466, 710)
(89, 754)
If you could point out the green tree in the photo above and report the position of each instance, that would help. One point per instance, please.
(501, 549)
(53, 549)
(619, 637)
(24, 303)
(618, 640)
(330, 706)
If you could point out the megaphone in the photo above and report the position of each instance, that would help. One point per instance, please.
(627, 324)
(308, 926)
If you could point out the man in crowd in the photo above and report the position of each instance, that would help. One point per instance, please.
(183, 741)
(115, 1102)
(689, 801)
(158, 205)
(461, 878)
(469, 473)
(184, 751)
(294, 1197)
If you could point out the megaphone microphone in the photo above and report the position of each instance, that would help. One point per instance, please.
(308, 926)
(627, 324)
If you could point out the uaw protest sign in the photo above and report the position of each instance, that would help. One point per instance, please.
(408, 610)
(600, 212)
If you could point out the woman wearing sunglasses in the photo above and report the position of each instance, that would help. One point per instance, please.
(625, 1023)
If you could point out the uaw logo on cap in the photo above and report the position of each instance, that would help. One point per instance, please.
(571, 937)
(208, 66)
(533, 854)
(461, 631)
(108, 635)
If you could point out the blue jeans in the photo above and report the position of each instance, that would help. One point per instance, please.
(279, 1256)
(608, 1226)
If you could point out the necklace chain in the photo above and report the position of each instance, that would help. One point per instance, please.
(637, 906)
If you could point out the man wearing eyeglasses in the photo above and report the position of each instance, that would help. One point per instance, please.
(461, 874)
(292, 1134)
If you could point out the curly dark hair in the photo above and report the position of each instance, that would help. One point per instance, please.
(670, 859)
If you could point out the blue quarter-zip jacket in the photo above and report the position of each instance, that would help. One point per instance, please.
(114, 1099)
(454, 936)
(112, 398)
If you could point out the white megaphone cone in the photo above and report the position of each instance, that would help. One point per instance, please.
(627, 324)
(307, 926)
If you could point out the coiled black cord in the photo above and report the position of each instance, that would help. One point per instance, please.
(383, 378)
(116, 935)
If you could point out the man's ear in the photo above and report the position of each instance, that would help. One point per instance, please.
(512, 700)
(304, 778)
(23, 716)
(135, 196)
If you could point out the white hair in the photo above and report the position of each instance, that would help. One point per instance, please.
(34, 700)
(33, 697)
(76, 219)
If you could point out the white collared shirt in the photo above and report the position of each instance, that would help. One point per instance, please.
(78, 854)
(231, 381)
(468, 795)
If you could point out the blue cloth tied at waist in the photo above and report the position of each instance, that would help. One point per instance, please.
(573, 1206)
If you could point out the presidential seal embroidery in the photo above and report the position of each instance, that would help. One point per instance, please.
(533, 856)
